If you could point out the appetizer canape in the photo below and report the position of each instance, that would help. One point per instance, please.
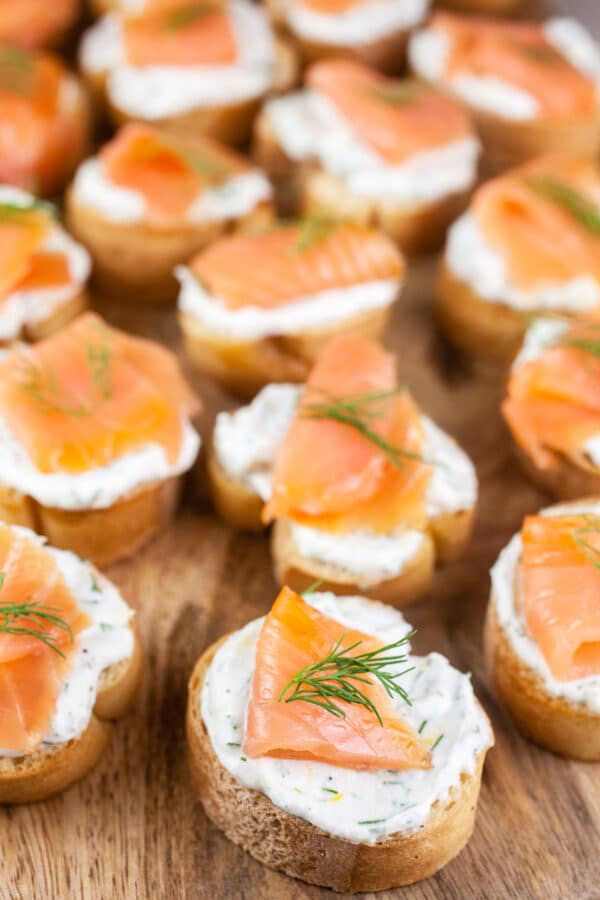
(528, 245)
(42, 270)
(149, 200)
(95, 435)
(531, 88)
(321, 746)
(365, 491)
(45, 118)
(191, 68)
(542, 637)
(259, 308)
(372, 31)
(37, 23)
(70, 662)
(357, 145)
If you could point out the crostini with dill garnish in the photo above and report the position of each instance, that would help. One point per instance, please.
(365, 492)
(96, 436)
(320, 745)
(257, 308)
(70, 662)
(542, 632)
(505, 260)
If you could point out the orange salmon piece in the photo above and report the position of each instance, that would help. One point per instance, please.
(186, 34)
(46, 270)
(33, 23)
(296, 635)
(559, 581)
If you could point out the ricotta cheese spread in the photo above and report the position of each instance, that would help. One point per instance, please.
(360, 806)
(362, 23)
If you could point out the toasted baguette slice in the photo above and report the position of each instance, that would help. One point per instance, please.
(298, 848)
(55, 767)
(100, 535)
(43, 328)
(571, 478)
(569, 729)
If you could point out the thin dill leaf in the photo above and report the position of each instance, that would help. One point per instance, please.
(14, 615)
(186, 15)
(579, 207)
(313, 231)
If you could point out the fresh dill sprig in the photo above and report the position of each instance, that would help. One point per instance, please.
(31, 619)
(17, 68)
(340, 674)
(397, 93)
(312, 588)
(313, 231)
(186, 15)
(579, 207)
(592, 526)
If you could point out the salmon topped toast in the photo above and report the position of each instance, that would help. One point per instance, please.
(318, 722)
(258, 308)
(95, 435)
(371, 31)
(37, 23)
(69, 662)
(354, 144)
(149, 200)
(45, 121)
(531, 88)
(543, 629)
(190, 67)
(42, 270)
(529, 245)
(364, 490)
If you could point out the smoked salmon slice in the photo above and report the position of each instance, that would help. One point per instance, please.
(184, 34)
(553, 401)
(518, 53)
(32, 670)
(33, 23)
(90, 394)
(46, 270)
(290, 261)
(22, 231)
(328, 473)
(559, 596)
(332, 7)
(170, 172)
(296, 635)
(396, 118)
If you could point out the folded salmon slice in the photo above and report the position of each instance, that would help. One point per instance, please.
(90, 394)
(22, 231)
(397, 119)
(559, 591)
(296, 635)
(47, 269)
(183, 34)
(328, 473)
(553, 401)
(520, 54)
(290, 261)
(32, 673)
(32, 23)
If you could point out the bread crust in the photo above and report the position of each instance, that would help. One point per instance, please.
(482, 7)
(566, 728)
(298, 848)
(100, 535)
(569, 478)
(135, 262)
(60, 316)
(53, 769)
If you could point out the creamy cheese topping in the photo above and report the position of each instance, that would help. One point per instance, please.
(96, 488)
(473, 260)
(504, 593)
(360, 24)
(308, 126)
(429, 49)
(153, 92)
(232, 199)
(353, 804)
(246, 443)
(311, 312)
(26, 307)
(106, 641)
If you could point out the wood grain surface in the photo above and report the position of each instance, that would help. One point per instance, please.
(133, 828)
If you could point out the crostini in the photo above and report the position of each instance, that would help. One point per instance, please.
(529, 245)
(369, 781)
(70, 662)
(150, 200)
(95, 435)
(191, 68)
(542, 632)
(36, 23)
(354, 144)
(46, 121)
(43, 271)
(371, 31)
(531, 88)
(365, 491)
(259, 308)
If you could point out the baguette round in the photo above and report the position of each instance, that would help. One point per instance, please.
(569, 478)
(569, 729)
(298, 848)
(54, 768)
(42, 328)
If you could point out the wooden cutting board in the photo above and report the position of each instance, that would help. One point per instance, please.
(133, 828)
